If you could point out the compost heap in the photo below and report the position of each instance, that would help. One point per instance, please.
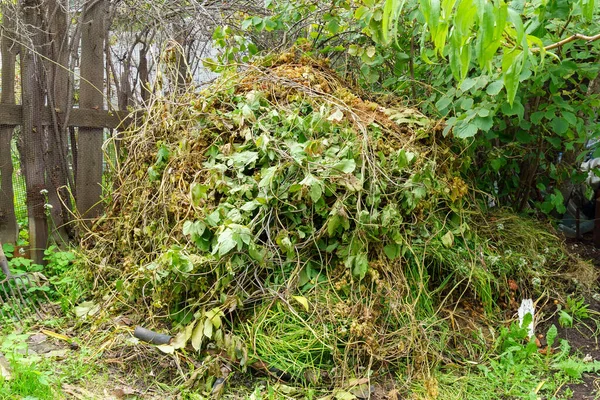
(281, 217)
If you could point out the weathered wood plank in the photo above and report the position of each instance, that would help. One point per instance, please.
(8, 221)
(32, 95)
(88, 177)
(12, 115)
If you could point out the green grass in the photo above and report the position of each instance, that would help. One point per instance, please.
(28, 382)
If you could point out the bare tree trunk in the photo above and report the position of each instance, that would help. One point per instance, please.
(8, 221)
(32, 130)
(143, 71)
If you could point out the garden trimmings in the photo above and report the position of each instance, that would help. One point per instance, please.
(278, 197)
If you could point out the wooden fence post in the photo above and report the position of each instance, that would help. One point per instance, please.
(89, 159)
(32, 129)
(57, 80)
(8, 221)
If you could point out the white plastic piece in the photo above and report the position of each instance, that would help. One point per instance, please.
(527, 308)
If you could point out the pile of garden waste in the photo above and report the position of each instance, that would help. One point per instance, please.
(282, 217)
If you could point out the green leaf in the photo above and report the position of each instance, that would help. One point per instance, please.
(495, 87)
(193, 228)
(214, 316)
(315, 188)
(587, 9)
(551, 335)
(267, 176)
(391, 9)
(516, 108)
(405, 158)
(483, 123)
(565, 319)
(208, 328)
(465, 130)
(537, 117)
(370, 51)
(213, 219)
(347, 166)
(247, 23)
(361, 266)
(512, 65)
(225, 242)
(315, 192)
(559, 125)
(392, 250)
(333, 223)
(467, 84)
(570, 118)
(448, 239)
(198, 193)
(443, 103)
(467, 103)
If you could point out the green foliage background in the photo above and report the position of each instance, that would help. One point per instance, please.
(523, 106)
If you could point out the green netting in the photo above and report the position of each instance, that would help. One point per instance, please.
(18, 185)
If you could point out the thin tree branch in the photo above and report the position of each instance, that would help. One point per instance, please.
(572, 38)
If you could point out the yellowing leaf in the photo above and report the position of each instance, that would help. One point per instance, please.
(448, 239)
(302, 300)
(166, 348)
(197, 336)
(208, 328)
(371, 51)
(180, 340)
(56, 335)
(341, 395)
(336, 116)
(214, 316)
(87, 308)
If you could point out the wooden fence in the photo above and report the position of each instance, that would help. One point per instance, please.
(58, 162)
